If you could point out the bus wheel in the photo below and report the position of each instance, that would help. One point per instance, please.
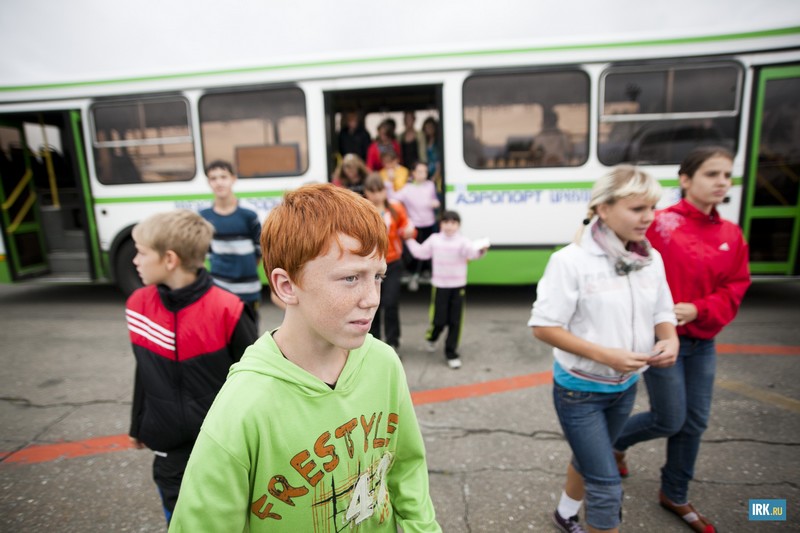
(127, 278)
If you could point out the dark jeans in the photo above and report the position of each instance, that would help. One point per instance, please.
(168, 474)
(591, 421)
(448, 312)
(680, 405)
(389, 309)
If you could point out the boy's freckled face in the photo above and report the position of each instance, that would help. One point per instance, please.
(221, 182)
(150, 266)
(340, 293)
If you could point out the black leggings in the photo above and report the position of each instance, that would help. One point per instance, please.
(389, 309)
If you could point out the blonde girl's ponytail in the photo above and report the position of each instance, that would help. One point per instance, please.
(586, 221)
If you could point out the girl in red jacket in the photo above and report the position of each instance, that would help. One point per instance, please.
(706, 262)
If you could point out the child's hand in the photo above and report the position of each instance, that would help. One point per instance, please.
(685, 312)
(482, 245)
(623, 360)
(136, 443)
(666, 353)
(409, 231)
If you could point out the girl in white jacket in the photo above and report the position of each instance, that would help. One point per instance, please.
(605, 307)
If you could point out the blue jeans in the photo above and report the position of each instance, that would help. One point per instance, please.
(591, 421)
(680, 404)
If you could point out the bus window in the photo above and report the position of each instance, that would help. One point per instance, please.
(145, 140)
(538, 119)
(656, 115)
(262, 132)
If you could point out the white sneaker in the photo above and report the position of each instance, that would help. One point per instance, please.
(430, 346)
(413, 283)
(454, 363)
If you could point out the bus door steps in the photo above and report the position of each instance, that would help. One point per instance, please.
(58, 234)
(60, 277)
(74, 262)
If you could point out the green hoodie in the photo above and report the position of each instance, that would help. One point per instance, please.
(282, 451)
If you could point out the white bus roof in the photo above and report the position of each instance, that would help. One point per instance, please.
(65, 49)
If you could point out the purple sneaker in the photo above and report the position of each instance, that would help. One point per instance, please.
(570, 525)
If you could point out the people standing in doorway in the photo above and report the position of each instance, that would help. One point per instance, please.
(353, 136)
(450, 252)
(235, 249)
(383, 142)
(420, 200)
(706, 261)
(393, 173)
(412, 141)
(350, 174)
(605, 307)
(398, 228)
(433, 152)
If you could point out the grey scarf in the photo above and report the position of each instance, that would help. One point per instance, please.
(626, 260)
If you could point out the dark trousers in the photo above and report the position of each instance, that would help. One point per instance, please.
(418, 266)
(389, 309)
(168, 473)
(448, 312)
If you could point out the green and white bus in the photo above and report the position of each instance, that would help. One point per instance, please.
(109, 113)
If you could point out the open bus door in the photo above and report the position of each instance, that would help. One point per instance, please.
(771, 207)
(25, 254)
(375, 104)
(45, 199)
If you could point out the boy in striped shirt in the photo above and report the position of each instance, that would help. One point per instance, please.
(235, 249)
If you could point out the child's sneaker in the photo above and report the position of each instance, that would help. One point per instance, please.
(569, 525)
(454, 363)
(430, 346)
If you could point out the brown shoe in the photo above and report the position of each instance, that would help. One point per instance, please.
(688, 514)
(622, 466)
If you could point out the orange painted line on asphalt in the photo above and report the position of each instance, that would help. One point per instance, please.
(481, 389)
(114, 443)
(758, 349)
(68, 450)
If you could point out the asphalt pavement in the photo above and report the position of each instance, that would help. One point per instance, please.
(495, 450)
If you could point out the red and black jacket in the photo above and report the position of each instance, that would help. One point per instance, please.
(184, 342)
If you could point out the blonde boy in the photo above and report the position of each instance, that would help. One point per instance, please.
(185, 333)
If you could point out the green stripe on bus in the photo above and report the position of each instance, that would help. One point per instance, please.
(777, 32)
(509, 267)
(782, 268)
(182, 197)
(483, 187)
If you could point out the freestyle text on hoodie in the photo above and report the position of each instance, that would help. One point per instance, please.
(282, 451)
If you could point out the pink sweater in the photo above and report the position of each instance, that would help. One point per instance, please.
(449, 257)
